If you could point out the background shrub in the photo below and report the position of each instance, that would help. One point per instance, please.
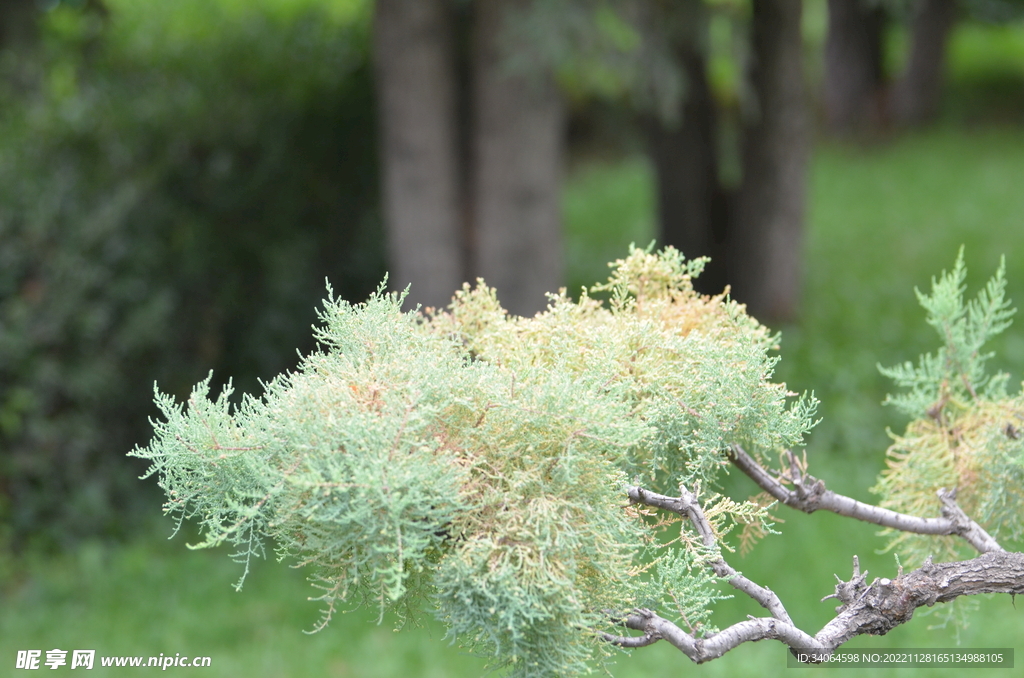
(175, 186)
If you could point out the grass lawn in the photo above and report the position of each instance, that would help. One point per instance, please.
(882, 220)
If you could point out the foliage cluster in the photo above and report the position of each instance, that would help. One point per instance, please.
(208, 162)
(966, 432)
(477, 461)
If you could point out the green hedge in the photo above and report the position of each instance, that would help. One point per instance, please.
(176, 182)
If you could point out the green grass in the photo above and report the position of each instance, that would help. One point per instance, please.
(156, 597)
(606, 207)
(881, 220)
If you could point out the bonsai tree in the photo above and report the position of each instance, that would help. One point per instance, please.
(546, 486)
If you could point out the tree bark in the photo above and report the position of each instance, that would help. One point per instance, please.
(415, 72)
(854, 81)
(691, 201)
(918, 92)
(17, 23)
(767, 233)
(517, 154)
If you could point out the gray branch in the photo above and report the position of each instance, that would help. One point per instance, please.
(687, 506)
(874, 608)
(701, 650)
(886, 603)
(809, 495)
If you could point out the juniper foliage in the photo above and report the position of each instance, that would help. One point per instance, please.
(966, 429)
(473, 464)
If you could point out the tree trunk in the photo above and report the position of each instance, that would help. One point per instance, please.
(691, 201)
(517, 156)
(854, 81)
(767, 234)
(918, 92)
(416, 88)
(17, 23)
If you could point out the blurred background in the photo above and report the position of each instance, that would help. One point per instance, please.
(178, 179)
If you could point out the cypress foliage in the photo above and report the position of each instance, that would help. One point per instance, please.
(965, 432)
(475, 462)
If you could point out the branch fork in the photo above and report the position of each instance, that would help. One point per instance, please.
(874, 608)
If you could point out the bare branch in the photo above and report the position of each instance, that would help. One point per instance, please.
(867, 609)
(701, 650)
(887, 603)
(874, 608)
(809, 495)
(687, 506)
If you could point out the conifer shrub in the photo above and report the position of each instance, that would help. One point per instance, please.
(505, 474)
(477, 460)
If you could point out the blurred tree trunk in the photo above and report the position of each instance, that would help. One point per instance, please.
(17, 22)
(416, 89)
(854, 81)
(766, 236)
(517, 151)
(917, 94)
(691, 202)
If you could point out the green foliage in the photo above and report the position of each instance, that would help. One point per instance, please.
(956, 372)
(695, 368)
(966, 429)
(477, 461)
(176, 179)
